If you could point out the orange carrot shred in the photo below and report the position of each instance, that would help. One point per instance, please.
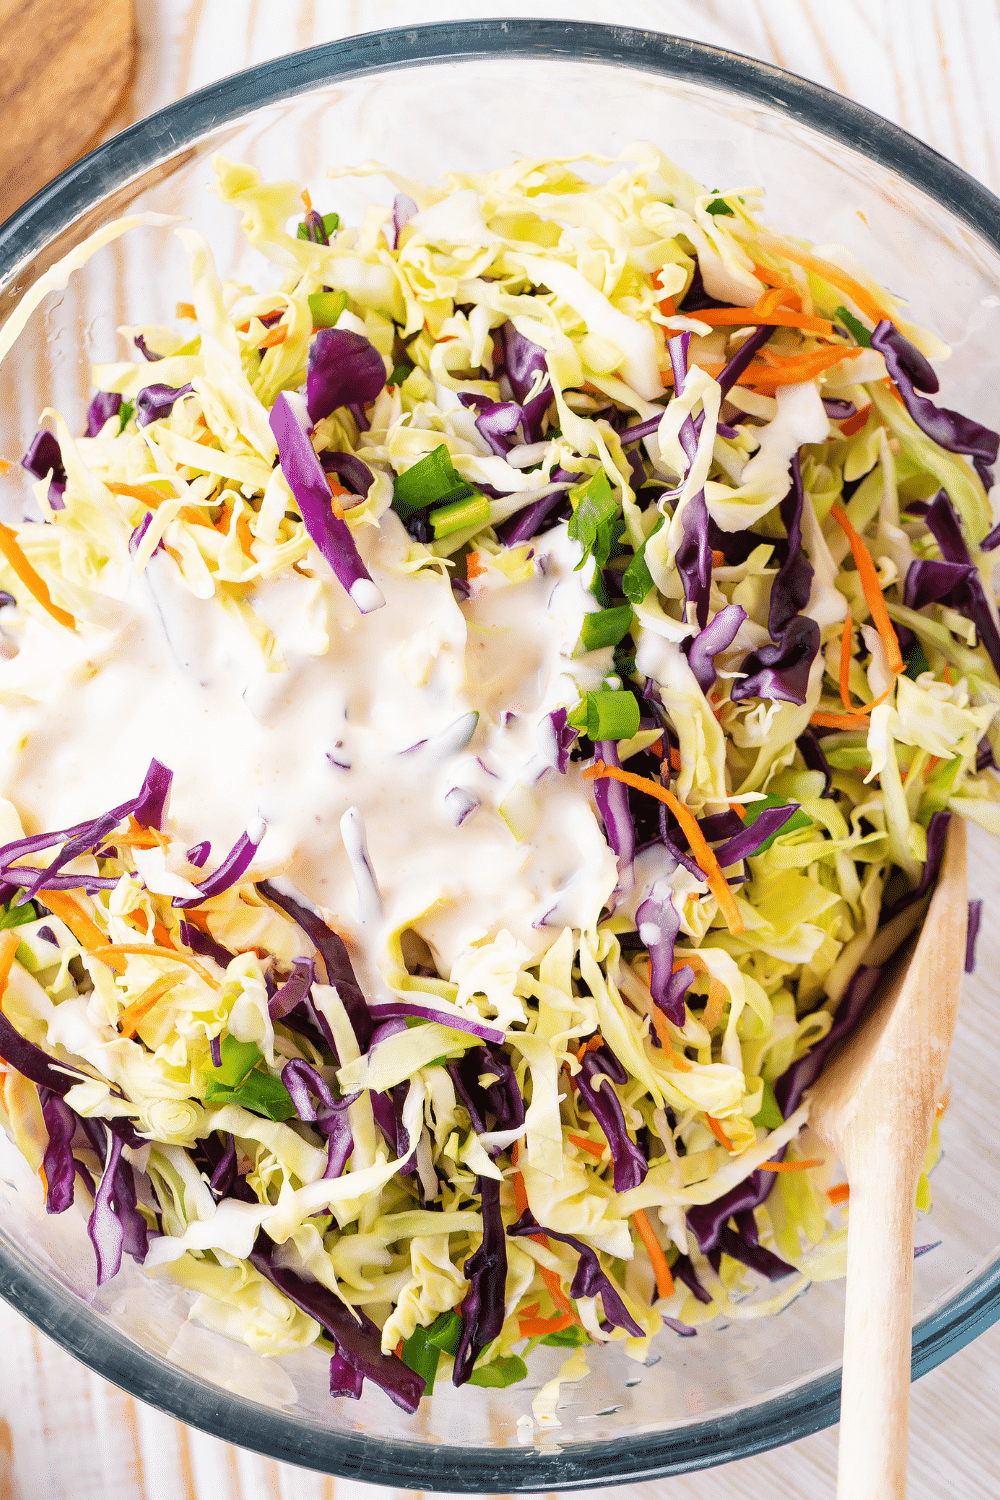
(473, 567)
(739, 810)
(521, 1203)
(33, 581)
(942, 1104)
(790, 1166)
(398, 1351)
(664, 1280)
(699, 847)
(718, 559)
(860, 295)
(110, 951)
(586, 1144)
(770, 277)
(746, 317)
(307, 202)
(840, 1193)
(590, 1045)
(675, 758)
(872, 590)
(87, 933)
(718, 1132)
(855, 423)
(538, 1327)
(846, 652)
(186, 310)
(9, 941)
(139, 1009)
(274, 336)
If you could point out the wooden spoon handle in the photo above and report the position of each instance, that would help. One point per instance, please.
(878, 1327)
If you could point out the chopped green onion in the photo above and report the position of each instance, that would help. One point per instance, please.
(430, 481)
(473, 510)
(237, 1060)
(125, 414)
(799, 819)
(605, 627)
(607, 715)
(853, 326)
(567, 1338)
(503, 1371)
(719, 206)
(258, 1092)
(331, 223)
(637, 579)
(916, 662)
(326, 308)
(596, 522)
(445, 1333)
(769, 1116)
(420, 1355)
(16, 916)
(400, 373)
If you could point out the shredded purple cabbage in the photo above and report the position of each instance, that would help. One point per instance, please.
(115, 1223)
(403, 209)
(630, 1165)
(497, 421)
(308, 483)
(744, 843)
(150, 354)
(612, 803)
(44, 455)
(590, 1280)
(292, 992)
(358, 1339)
(104, 405)
(486, 1272)
(911, 373)
(331, 949)
(157, 401)
(389, 1010)
(742, 1244)
(353, 474)
(707, 1220)
(664, 916)
(524, 361)
(937, 832)
(58, 1163)
(838, 411)
(530, 521)
(967, 593)
(812, 753)
(205, 945)
(803, 1073)
(232, 868)
(972, 935)
(718, 635)
(344, 369)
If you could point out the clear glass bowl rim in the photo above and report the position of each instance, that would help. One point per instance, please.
(791, 1414)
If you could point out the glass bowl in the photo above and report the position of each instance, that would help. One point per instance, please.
(467, 97)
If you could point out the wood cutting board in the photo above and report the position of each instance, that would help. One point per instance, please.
(64, 65)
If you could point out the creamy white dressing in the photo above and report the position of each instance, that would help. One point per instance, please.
(372, 712)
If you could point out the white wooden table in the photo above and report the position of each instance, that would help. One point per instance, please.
(930, 65)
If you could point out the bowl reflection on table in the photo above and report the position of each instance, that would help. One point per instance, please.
(468, 98)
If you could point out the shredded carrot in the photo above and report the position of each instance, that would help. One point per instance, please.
(276, 335)
(790, 1166)
(33, 581)
(943, 1103)
(160, 933)
(675, 758)
(473, 567)
(538, 1327)
(772, 370)
(716, 1004)
(857, 718)
(840, 1193)
(186, 310)
(656, 748)
(244, 534)
(855, 423)
(336, 507)
(718, 1132)
(146, 493)
(699, 847)
(872, 590)
(86, 932)
(586, 1144)
(674, 1059)
(947, 674)
(846, 653)
(739, 810)
(718, 559)
(745, 317)
(860, 295)
(398, 1351)
(666, 303)
(137, 1012)
(307, 202)
(108, 952)
(591, 1045)
(521, 1204)
(9, 941)
(770, 277)
(664, 1280)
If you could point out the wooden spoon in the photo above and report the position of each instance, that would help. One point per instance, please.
(874, 1106)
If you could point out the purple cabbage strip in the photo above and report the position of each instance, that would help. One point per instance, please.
(985, 759)
(677, 348)
(140, 343)
(115, 1222)
(497, 421)
(683, 1271)
(523, 360)
(339, 971)
(527, 523)
(104, 405)
(32, 1062)
(344, 369)
(223, 1178)
(593, 1085)
(707, 1220)
(486, 1272)
(749, 839)
(389, 1010)
(781, 670)
(303, 1081)
(744, 354)
(590, 1280)
(308, 483)
(991, 540)
(932, 582)
(403, 209)
(970, 596)
(198, 853)
(358, 1339)
(233, 867)
(642, 429)
(693, 560)
(812, 753)
(502, 1098)
(838, 411)
(139, 533)
(560, 739)
(357, 411)
(791, 586)
(718, 635)
(937, 831)
(345, 1380)
(157, 401)
(911, 373)
(205, 945)
(972, 935)
(292, 992)
(58, 1163)
(315, 228)
(353, 474)
(662, 915)
(742, 1245)
(215, 1048)
(612, 803)
(44, 454)
(803, 1073)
